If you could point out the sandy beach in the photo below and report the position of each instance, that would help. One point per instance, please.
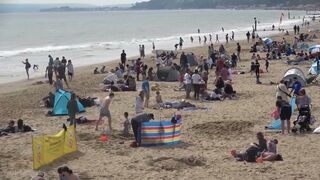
(207, 135)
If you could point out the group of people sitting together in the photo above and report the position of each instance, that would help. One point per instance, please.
(12, 128)
(264, 150)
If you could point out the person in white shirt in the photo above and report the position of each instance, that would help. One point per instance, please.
(158, 62)
(196, 81)
(139, 103)
(188, 83)
(70, 70)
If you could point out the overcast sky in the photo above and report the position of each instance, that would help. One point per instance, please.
(96, 2)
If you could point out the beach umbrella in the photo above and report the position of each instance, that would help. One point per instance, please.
(267, 41)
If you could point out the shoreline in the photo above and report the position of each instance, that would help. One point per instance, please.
(206, 138)
(239, 37)
(9, 87)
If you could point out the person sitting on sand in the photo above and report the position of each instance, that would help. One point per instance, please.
(105, 111)
(103, 70)
(96, 71)
(158, 98)
(220, 85)
(68, 173)
(272, 145)
(303, 100)
(136, 123)
(254, 151)
(40, 176)
(228, 91)
(58, 84)
(10, 128)
(126, 124)
(49, 100)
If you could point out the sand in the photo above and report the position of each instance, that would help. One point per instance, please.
(207, 136)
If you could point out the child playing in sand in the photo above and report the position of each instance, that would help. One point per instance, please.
(126, 124)
(158, 98)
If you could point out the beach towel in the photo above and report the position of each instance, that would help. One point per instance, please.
(160, 133)
(293, 103)
(275, 126)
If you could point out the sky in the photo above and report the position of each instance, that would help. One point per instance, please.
(95, 2)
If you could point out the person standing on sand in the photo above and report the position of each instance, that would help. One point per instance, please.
(62, 73)
(181, 43)
(50, 59)
(238, 52)
(136, 123)
(285, 113)
(123, 57)
(217, 38)
(196, 79)
(205, 39)
(191, 39)
(248, 36)
(267, 65)
(72, 107)
(183, 61)
(210, 38)
(188, 83)
(227, 38)
(27, 67)
(70, 70)
(105, 112)
(199, 40)
(49, 73)
(153, 46)
(145, 86)
(257, 70)
(232, 35)
(143, 51)
(282, 91)
(139, 103)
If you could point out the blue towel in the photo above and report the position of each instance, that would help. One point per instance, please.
(275, 125)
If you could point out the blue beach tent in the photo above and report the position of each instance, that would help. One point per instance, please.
(61, 99)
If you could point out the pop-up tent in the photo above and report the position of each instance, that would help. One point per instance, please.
(192, 61)
(61, 99)
(314, 49)
(267, 41)
(314, 68)
(295, 73)
(168, 74)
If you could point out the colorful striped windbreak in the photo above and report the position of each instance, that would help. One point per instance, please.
(160, 133)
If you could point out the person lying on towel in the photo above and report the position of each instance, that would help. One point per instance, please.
(136, 123)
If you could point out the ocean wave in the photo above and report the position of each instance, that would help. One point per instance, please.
(88, 46)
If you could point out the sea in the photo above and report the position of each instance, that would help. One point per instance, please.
(97, 37)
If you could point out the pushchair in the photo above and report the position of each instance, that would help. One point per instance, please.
(302, 124)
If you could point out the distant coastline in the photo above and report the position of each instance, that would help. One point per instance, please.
(76, 9)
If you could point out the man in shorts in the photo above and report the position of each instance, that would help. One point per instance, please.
(105, 112)
(62, 73)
